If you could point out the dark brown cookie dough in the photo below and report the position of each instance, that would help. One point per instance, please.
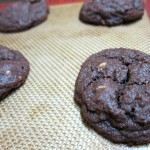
(14, 69)
(111, 12)
(23, 15)
(113, 92)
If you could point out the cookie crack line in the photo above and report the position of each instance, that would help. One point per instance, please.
(116, 91)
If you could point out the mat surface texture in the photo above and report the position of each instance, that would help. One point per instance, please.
(42, 113)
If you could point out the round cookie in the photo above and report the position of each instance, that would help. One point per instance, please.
(23, 15)
(111, 12)
(14, 69)
(113, 92)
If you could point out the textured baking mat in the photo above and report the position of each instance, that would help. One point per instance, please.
(42, 113)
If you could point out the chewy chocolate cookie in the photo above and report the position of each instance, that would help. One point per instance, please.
(111, 12)
(113, 92)
(14, 69)
(23, 15)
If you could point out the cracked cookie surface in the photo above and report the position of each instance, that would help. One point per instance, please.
(14, 69)
(113, 92)
(23, 15)
(111, 12)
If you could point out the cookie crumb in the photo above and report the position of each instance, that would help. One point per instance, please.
(103, 64)
(101, 87)
(8, 72)
(20, 77)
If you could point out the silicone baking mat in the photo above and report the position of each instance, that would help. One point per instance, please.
(42, 113)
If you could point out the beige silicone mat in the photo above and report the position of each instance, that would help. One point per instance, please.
(42, 113)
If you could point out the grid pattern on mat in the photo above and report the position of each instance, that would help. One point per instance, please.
(42, 113)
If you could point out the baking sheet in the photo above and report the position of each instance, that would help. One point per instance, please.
(42, 113)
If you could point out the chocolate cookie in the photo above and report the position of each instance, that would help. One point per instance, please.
(22, 15)
(111, 12)
(113, 92)
(14, 69)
